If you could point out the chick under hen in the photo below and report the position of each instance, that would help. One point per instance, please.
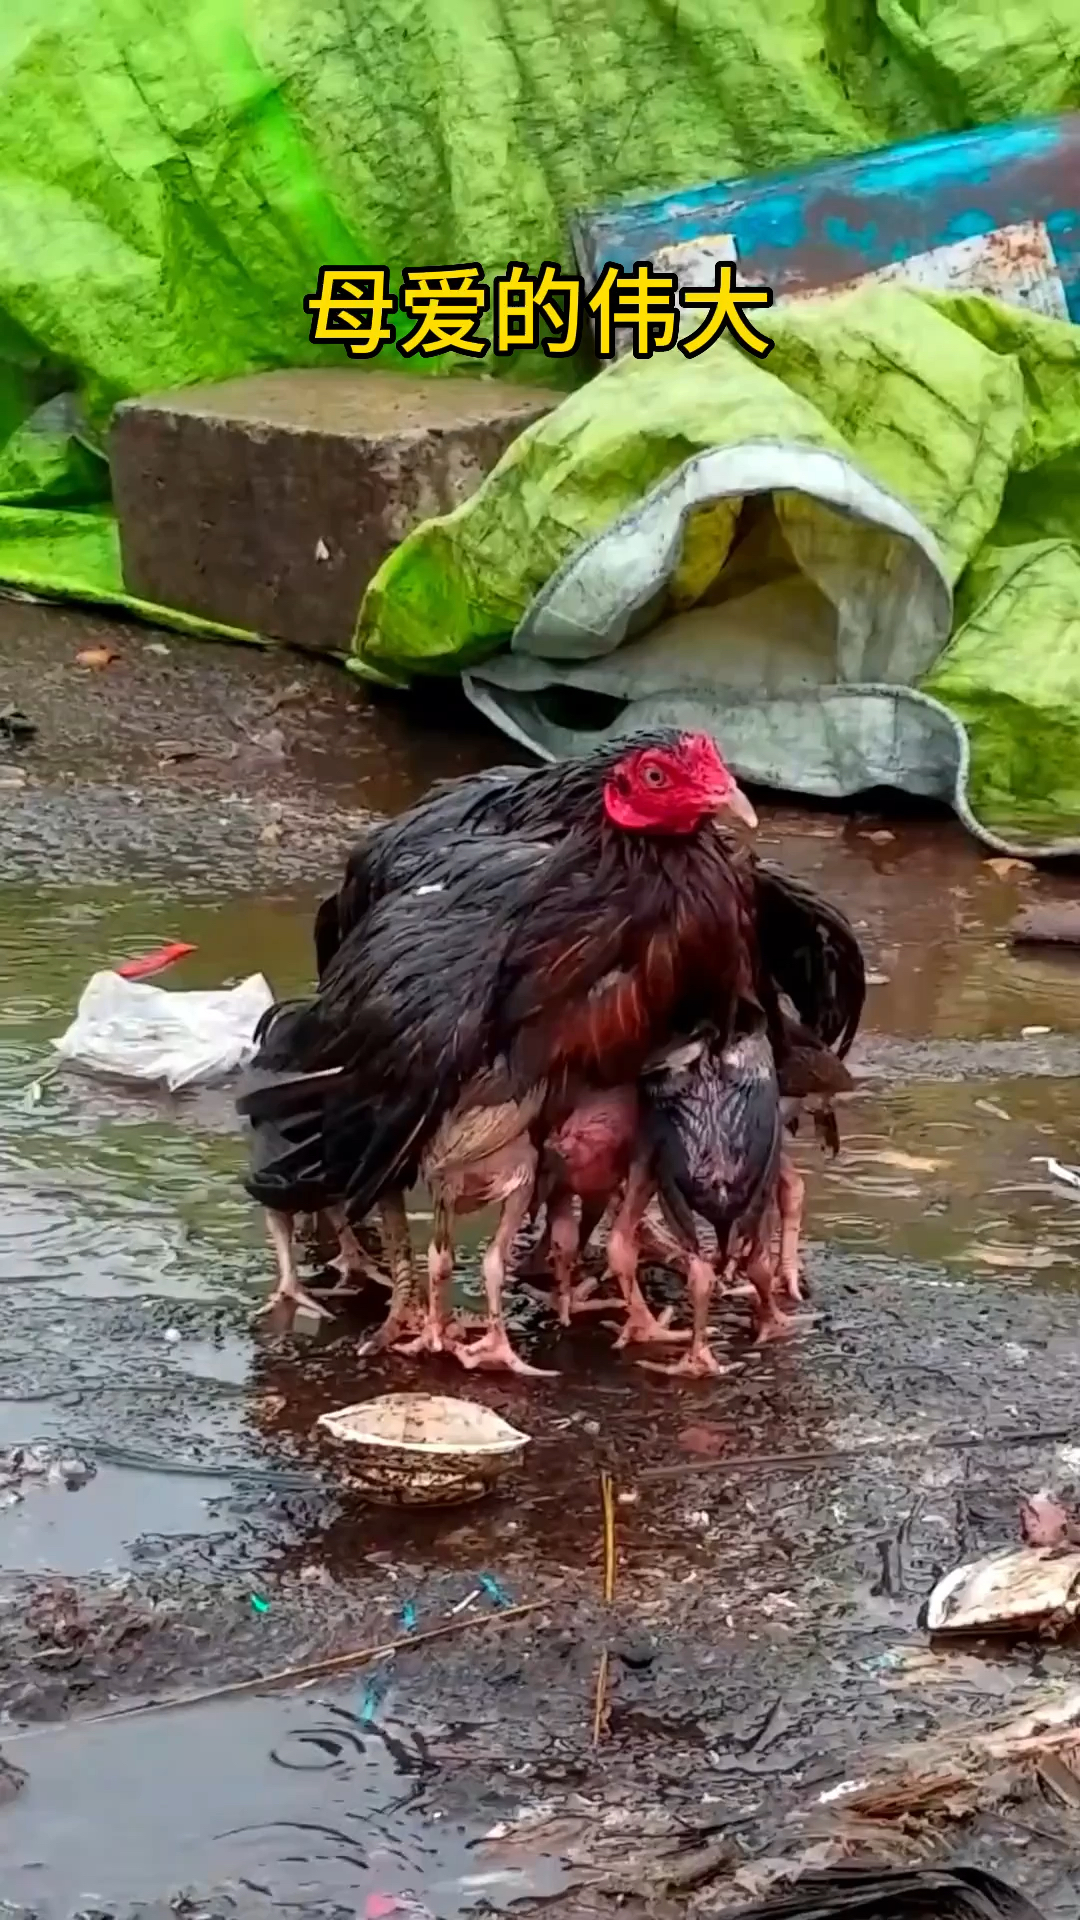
(711, 1130)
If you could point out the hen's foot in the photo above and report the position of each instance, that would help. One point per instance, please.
(581, 1301)
(493, 1351)
(700, 1363)
(644, 1328)
(281, 1309)
(775, 1325)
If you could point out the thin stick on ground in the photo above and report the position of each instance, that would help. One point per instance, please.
(607, 1501)
(295, 1676)
(805, 1461)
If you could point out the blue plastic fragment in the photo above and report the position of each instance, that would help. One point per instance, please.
(494, 1591)
(408, 1616)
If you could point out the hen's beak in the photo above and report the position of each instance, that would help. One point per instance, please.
(736, 806)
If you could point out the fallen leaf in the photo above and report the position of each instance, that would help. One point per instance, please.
(907, 1162)
(706, 1440)
(1044, 1522)
(1003, 867)
(96, 657)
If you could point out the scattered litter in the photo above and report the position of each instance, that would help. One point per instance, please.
(882, 1891)
(307, 1321)
(1006, 865)
(423, 1449)
(12, 777)
(708, 1440)
(133, 1031)
(1034, 1033)
(156, 962)
(878, 979)
(322, 551)
(375, 1692)
(15, 728)
(988, 1106)
(494, 1592)
(96, 657)
(1014, 1590)
(156, 646)
(1054, 923)
(607, 1507)
(408, 1616)
(895, 1157)
(258, 1604)
(1044, 1522)
(1062, 1780)
(173, 1336)
(920, 1666)
(841, 1792)
(695, 1519)
(1069, 1176)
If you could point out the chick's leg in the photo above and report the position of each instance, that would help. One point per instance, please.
(288, 1293)
(351, 1262)
(573, 1295)
(769, 1322)
(494, 1348)
(643, 1327)
(404, 1316)
(699, 1362)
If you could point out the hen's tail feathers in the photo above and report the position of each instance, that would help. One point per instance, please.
(813, 954)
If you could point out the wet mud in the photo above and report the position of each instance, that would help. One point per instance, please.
(170, 1523)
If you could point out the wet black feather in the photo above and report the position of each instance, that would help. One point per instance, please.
(527, 803)
(714, 1123)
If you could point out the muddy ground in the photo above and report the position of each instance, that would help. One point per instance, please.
(170, 1523)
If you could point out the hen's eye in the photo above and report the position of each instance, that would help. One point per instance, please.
(653, 776)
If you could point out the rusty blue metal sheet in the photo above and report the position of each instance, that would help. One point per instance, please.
(824, 225)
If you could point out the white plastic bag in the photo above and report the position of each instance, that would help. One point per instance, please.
(134, 1031)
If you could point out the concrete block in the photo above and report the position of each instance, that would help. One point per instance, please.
(268, 502)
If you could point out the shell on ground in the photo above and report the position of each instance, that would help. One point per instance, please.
(423, 1449)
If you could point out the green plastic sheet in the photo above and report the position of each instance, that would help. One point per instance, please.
(616, 514)
(174, 172)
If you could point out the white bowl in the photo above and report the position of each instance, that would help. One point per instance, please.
(424, 1449)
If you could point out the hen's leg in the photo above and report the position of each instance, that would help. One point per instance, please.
(288, 1294)
(699, 1361)
(351, 1263)
(791, 1194)
(643, 1327)
(404, 1315)
(494, 1348)
(435, 1335)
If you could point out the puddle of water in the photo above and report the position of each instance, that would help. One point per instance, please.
(352, 1812)
(54, 1530)
(951, 1172)
(119, 1209)
(934, 916)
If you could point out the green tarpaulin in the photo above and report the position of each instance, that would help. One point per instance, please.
(173, 174)
(770, 549)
